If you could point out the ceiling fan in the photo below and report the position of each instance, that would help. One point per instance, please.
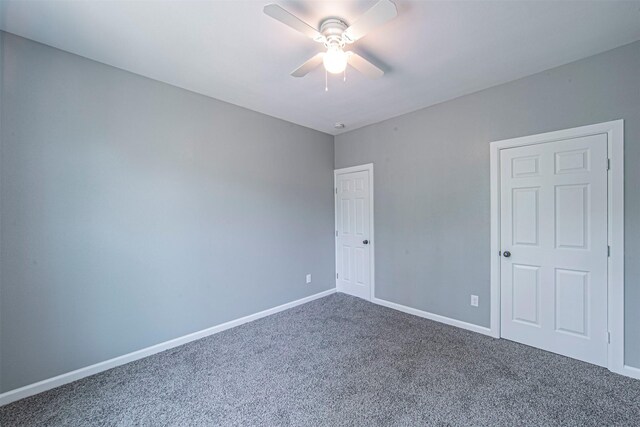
(335, 34)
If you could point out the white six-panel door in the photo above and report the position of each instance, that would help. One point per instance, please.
(553, 228)
(353, 233)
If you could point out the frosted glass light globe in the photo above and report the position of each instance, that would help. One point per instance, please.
(335, 60)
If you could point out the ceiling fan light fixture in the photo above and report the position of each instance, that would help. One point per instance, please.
(335, 60)
(334, 34)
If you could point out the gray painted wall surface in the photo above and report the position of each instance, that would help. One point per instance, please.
(134, 212)
(432, 181)
(1, 99)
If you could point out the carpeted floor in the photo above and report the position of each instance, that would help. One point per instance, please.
(341, 361)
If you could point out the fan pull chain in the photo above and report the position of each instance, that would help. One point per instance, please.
(326, 82)
(344, 76)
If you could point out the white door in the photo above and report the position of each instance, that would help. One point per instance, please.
(353, 233)
(553, 228)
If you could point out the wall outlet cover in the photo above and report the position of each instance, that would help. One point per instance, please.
(474, 300)
(308, 278)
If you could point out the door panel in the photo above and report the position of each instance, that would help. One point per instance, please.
(525, 216)
(572, 301)
(554, 225)
(353, 229)
(526, 294)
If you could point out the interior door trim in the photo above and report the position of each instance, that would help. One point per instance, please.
(615, 230)
(372, 240)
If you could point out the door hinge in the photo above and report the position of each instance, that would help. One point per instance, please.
(336, 190)
(337, 275)
(608, 251)
(336, 233)
(609, 337)
(608, 164)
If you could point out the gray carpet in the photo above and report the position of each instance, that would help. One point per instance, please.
(341, 361)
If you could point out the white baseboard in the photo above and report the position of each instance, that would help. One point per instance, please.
(431, 316)
(630, 371)
(48, 384)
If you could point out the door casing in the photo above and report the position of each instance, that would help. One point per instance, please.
(615, 229)
(372, 241)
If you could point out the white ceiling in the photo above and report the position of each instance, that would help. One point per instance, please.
(433, 51)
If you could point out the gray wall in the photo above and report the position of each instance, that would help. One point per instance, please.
(432, 181)
(133, 212)
(1, 101)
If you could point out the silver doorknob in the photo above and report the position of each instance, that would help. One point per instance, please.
(366, 242)
(506, 254)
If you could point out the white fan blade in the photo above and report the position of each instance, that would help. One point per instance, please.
(364, 66)
(276, 12)
(312, 63)
(380, 13)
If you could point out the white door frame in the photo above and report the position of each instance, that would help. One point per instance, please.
(615, 230)
(372, 240)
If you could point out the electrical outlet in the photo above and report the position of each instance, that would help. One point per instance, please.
(308, 278)
(474, 300)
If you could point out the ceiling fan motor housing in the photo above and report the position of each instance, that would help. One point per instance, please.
(332, 29)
